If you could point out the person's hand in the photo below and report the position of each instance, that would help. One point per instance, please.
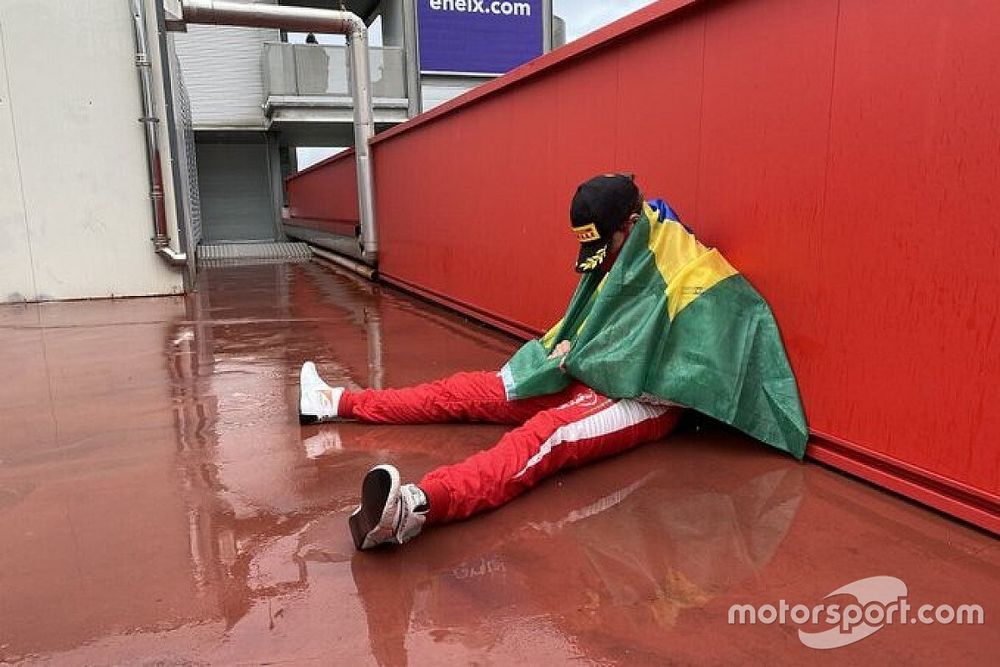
(560, 351)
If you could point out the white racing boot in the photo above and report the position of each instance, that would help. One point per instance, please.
(389, 513)
(317, 400)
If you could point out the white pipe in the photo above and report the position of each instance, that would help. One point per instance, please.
(161, 241)
(172, 257)
(304, 19)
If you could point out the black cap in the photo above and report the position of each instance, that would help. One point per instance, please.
(600, 207)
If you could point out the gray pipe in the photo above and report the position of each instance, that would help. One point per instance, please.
(546, 26)
(303, 19)
(149, 120)
(411, 46)
(344, 262)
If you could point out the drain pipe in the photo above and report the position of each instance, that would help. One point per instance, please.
(304, 19)
(344, 262)
(149, 120)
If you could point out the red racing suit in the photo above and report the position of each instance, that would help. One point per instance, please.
(562, 430)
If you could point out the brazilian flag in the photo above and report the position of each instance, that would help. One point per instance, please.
(673, 322)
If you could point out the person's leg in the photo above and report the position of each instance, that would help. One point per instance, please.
(585, 429)
(469, 397)
(477, 396)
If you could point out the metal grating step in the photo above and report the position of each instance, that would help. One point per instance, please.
(252, 252)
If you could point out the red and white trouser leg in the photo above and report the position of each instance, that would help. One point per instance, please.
(558, 431)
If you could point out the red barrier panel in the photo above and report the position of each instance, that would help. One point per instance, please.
(325, 196)
(845, 155)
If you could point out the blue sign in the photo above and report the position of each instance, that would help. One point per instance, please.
(478, 36)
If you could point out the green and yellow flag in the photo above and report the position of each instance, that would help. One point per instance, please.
(673, 322)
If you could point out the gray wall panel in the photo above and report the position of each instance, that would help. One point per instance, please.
(223, 73)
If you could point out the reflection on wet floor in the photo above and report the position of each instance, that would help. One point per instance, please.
(159, 502)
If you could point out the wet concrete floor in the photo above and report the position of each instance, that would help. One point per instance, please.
(159, 503)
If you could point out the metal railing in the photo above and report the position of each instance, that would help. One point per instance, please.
(315, 70)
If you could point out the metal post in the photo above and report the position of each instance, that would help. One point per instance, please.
(546, 26)
(411, 49)
(364, 130)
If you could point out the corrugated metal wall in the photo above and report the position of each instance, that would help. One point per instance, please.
(223, 73)
(187, 153)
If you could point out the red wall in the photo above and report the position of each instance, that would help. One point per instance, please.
(325, 196)
(845, 155)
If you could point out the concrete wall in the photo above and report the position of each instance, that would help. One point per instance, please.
(75, 218)
(438, 89)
